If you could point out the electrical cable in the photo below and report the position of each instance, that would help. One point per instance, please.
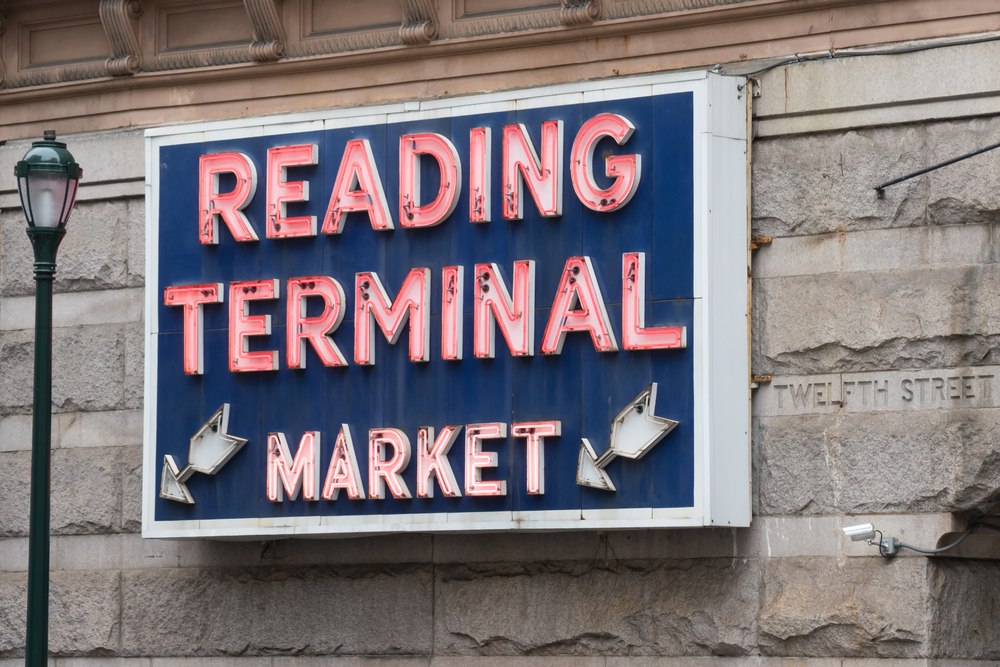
(954, 544)
(881, 553)
(832, 54)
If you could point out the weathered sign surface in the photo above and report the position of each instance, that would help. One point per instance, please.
(519, 310)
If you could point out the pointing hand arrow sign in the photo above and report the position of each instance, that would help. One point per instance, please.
(211, 448)
(634, 432)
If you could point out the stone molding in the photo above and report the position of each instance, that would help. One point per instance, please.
(268, 33)
(116, 17)
(420, 24)
(369, 65)
(505, 24)
(346, 43)
(769, 537)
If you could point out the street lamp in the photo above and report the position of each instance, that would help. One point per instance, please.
(47, 179)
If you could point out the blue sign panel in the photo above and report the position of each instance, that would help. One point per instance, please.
(512, 311)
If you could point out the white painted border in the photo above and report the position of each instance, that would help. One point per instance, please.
(720, 446)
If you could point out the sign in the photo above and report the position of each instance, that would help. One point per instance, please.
(522, 310)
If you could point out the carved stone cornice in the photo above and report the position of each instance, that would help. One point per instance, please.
(268, 33)
(366, 40)
(197, 60)
(116, 17)
(575, 12)
(29, 95)
(420, 24)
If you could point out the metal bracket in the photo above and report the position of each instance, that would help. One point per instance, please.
(880, 189)
(758, 241)
(757, 380)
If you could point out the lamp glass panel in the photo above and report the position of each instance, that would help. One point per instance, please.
(22, 189)
(70, 199)
(47, 195)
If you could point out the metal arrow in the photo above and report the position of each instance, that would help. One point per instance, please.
(634, 431)
(172, 487)
(211, 448)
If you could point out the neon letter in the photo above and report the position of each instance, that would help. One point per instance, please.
(280, 191)
(242, 325)
(516, 316)
(382, 471)
(635, 335)
(357, 170)
(192, 297)
(315, 330)
(476, 459)
(452, 298)
(535, 432)
(578, 287)
(371, 305)
(411, 213)
(625, 169)
(432, 460)
(480, 176)
(543, 177)
(343, 471)
(303, 473)
(227, 205)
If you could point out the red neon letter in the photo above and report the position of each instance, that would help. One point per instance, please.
(578, 288)
(315, 330)
(543, 177)
(192, 297)
(357, 170)
(343, 471)
(280, 191)
(480, 176)
(476, 459)
(535, 433)
(372, 305)
(242, 325)
(382, 471)
(625, 169)
(411, 212)
(516, 316)
(432, 460)
(635, 335)
(452, 298)
(302, 473)
(227, 205)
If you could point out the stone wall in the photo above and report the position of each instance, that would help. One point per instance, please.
(855, 297)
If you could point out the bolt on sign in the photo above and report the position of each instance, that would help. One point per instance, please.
(522, 310)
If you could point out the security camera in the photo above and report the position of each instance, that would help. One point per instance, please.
(890, 546)
(860, 533)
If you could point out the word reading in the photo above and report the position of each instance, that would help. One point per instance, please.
(359, 187)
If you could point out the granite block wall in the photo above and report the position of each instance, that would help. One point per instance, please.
(876, 318)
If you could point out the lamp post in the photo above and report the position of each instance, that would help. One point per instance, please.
(47, 180)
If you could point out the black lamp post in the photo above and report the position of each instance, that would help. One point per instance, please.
(47, 179)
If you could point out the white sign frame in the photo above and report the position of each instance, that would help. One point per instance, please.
(722, 485)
